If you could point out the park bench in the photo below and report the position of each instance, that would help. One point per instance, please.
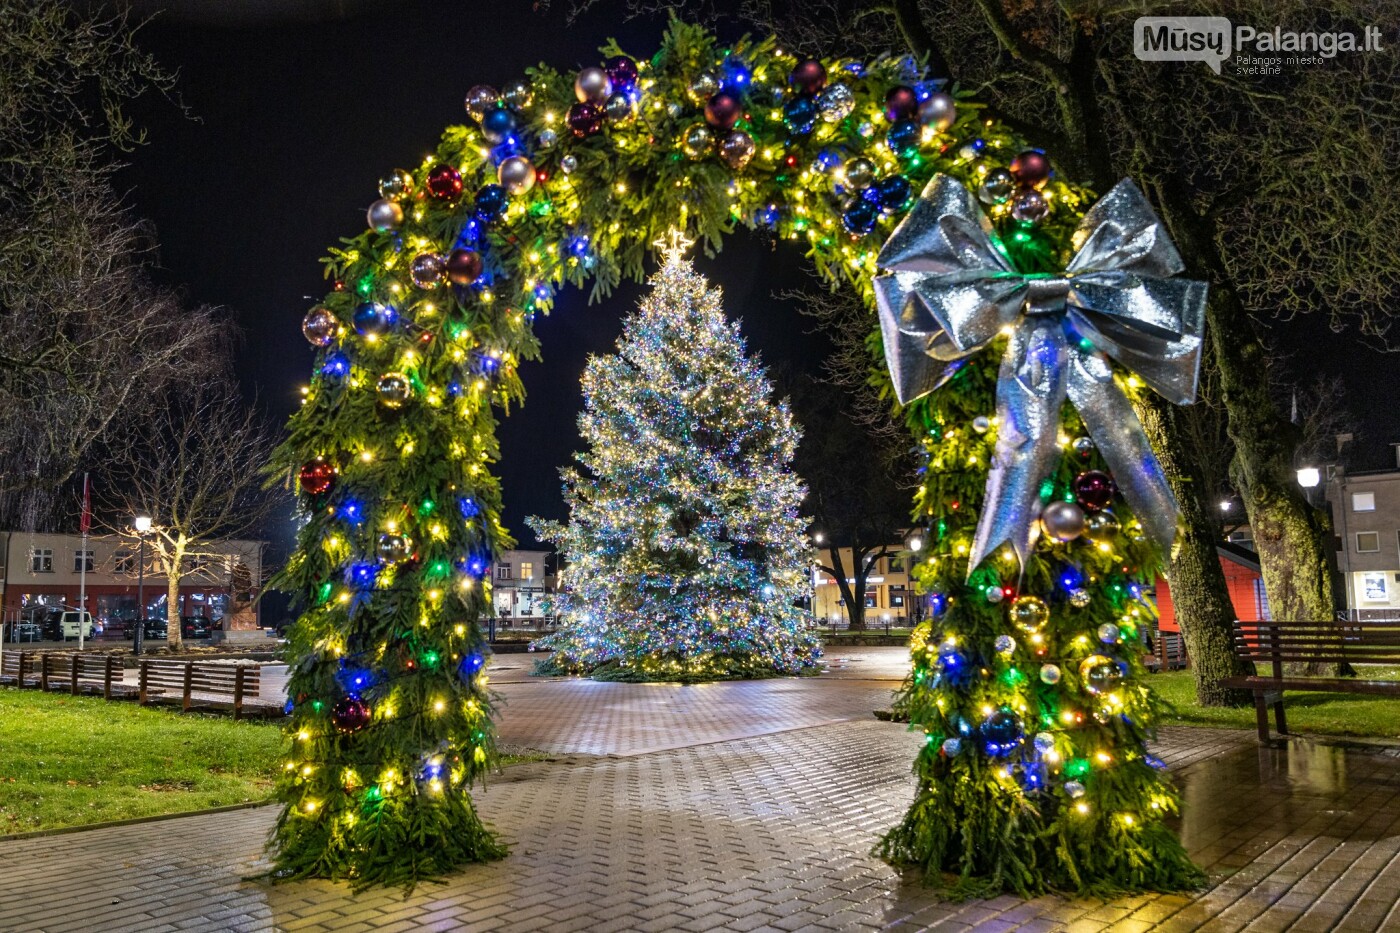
(83, 673)
(201, 684)
(1276, 644)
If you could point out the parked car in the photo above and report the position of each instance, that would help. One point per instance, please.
(47, 619)
(195, 627)
(154, 628)
(71, 621)
(21, 631)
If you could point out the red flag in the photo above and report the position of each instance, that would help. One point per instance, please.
(86, 523)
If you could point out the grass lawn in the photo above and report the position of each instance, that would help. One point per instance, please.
(1318, 713)
(70, 761)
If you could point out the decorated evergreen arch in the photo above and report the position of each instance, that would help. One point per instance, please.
(1035, 773)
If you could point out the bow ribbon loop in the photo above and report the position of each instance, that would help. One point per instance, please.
(948, 290)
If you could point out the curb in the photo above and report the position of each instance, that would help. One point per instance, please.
(134, 821)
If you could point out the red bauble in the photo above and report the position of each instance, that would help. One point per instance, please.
(316, 477)
(1031, 169)
(809, 76)
(723, 110)
(585, 118)
(1094, 489)
(463, 266)
(444, 182)
(901, 103)
(350, 714)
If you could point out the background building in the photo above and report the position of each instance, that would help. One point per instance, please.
(519, 582)
(1365, 510)
(889, 592)
(46, 569)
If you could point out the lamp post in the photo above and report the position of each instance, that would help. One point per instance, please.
(914, 541)
(818, 538)
(142, 526)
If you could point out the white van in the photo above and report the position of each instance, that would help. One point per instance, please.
(71, 620)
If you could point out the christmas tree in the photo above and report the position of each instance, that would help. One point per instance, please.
(686, 554)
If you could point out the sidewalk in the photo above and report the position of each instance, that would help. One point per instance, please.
(742, 806)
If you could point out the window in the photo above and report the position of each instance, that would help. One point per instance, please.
(503, 572)
(1363, 502)
(1374, 588)
(82, 561)
(41, 560)
(527, 570)
(198, 563)
(124, 561)
(896, 601)
(870, 602)
(896, 565)
(1368, 542)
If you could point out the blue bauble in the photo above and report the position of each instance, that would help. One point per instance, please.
(1002, 731)
(894, 192)
(903, 138)
(491, 202)
(497, 124)
(870, 193)
(952, 746)
(800, 114)
(370, 318)
(860, 217)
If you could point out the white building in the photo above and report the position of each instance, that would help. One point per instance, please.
(519, 584)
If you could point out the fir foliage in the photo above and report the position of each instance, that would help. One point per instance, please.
(686, 557)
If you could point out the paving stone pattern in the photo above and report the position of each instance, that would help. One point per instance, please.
(742, 807)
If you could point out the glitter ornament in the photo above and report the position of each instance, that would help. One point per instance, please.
(1080, 597)
(952, 746)
(319, 326)
(1005, 644)
(1050, 674)
(427, 269)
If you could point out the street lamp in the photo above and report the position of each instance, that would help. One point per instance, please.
(1309, 477)
(141, 524)
(818, 537)
(914, 540)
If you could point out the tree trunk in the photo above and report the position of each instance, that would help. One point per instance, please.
(173, 634)
(1199, 594)
(1290, 535)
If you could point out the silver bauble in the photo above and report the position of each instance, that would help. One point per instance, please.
(697, 141)
(1101, 526)
(859, 173)
(319, 327)
(1109, 633)
(384, 215)
(835, 103)
(547, 138)
(1049, 673)
(866, 129)
(968, 152)
(394, 548)
(1005, 644)
(518, 95)
(981, 424)
(1083, 446)
(592, 85)
(480, 99)
(1099, 673)
(702, 88)
(394, 389)
(1075, 789)
(737, 149)
(997, 187)
(1030, 207)
(938, 110)
(426, 269)
(1079, 597)
(568, 164)
(619, 108)
(516, 174)
(1063, 521)
(397, 185)
(995, 594)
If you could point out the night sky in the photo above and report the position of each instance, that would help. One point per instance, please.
(295, 122)
(295, 118)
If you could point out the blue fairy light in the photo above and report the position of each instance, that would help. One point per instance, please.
(469, 507)
(352, 512)
(362, 575)
(336, 364)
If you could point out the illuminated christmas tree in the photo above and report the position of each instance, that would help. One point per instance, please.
(686, 554)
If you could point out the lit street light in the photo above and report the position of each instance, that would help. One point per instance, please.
(142, 526)
(1309, 477)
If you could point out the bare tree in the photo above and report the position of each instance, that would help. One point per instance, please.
(86, 341)
(195, 467)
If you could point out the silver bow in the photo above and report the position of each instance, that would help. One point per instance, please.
(950, 289)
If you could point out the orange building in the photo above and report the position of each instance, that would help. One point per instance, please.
(1243, 579)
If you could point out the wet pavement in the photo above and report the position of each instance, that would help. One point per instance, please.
(745, 806)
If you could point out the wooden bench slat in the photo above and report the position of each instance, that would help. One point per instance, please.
(1310, 657)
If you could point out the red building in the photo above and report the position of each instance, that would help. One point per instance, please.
(1243, 579)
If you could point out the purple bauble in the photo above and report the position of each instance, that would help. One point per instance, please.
(723, 110)
(350, 714)
(444, 182)
(585, 118)
(622, 71)
(809, 76)
(1094, 489)
(1031, 169)
(901, 103)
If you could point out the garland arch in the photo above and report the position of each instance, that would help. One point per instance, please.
(558, 180)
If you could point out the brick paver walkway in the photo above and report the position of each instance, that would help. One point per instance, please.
(742, 807)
